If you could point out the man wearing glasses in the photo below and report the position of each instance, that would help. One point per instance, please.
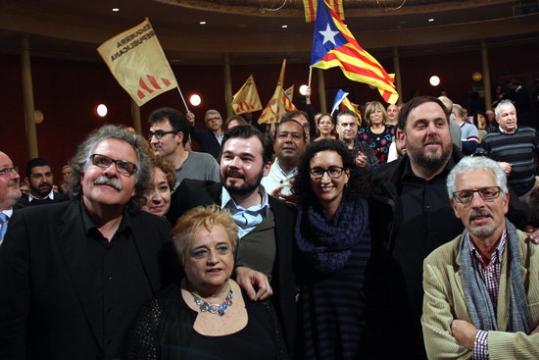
(169, 137)
(481, 290)
(9, 191)
(74, 274)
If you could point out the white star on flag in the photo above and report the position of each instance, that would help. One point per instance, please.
(328, 35)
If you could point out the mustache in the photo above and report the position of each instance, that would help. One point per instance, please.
(104, 180)
(480, 213)
(235, 173)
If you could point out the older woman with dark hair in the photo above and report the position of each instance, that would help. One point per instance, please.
(157, 197)
(207, 316)
(334, 246)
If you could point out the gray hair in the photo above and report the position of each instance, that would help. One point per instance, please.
(502, 104)
(209, 112)
(81, 160)
(473, 163)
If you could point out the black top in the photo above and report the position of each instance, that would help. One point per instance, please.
(116, 280)
(164, 330)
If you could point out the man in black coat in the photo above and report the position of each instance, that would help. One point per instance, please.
(40, 179)
(74, 274)
(265, 224)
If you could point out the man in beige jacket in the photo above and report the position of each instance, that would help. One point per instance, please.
(481, 290)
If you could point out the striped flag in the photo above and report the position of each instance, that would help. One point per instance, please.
(342, 102)
(288, 95)
(310, 9)
(137, 61)
(246, 99)
(275, 108)
(334, 45)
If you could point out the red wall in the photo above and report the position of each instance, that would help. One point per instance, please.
(67, 92)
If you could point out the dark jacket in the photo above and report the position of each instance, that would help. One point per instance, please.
(193, 193)
(44, 307)
(206, 140)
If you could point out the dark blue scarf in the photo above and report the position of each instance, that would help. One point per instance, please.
(327, 244)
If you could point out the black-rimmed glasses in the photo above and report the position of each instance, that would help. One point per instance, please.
(124, 167)
(159, 134)
(487, 193)
(333, 172)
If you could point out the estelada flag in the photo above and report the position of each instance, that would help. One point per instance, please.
(275, 108)
(138, 62)
(342, 102)
(334, 45)
(310, 9)
(288, 95)
(246, 99)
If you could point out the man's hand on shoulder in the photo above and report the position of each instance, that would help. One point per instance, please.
(254, 283)
(533, 234)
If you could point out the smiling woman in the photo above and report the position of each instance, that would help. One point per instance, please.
(333, 239)
(207, 316)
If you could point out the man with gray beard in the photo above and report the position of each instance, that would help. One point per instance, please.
(74, 274)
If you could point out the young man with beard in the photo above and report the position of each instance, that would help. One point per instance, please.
(40, 179)
(410, 217)
(266, 225)
(481, 289)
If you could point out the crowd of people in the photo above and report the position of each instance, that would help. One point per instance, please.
(407, 231)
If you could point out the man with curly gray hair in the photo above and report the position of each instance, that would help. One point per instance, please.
(74, 274)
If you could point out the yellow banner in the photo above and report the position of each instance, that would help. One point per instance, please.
(288, 95)
(275, 108)
(246, 99)
(137, 61)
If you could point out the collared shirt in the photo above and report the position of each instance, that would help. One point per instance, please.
(116, 279)
(490, 273)
(49, 196)
(278, 177)
(246, 218)
(8, 213)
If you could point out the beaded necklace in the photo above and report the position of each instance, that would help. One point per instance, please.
(216, 309)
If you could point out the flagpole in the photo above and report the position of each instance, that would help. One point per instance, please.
(310, 76)
(181, 95)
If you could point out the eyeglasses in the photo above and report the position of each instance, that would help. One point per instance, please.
(124, 167)
(334, 172)
(488, 193)
(9, 171)
(159, 134)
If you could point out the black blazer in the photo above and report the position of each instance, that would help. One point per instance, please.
(44, 303)
(207, 142)
(193, 193)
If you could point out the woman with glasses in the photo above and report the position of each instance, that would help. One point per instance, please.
(205, 315)
(334, 247)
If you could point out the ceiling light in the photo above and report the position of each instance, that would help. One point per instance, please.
(431, 20)
(115, 9)
(202, 23)
(284, 26)
(434, 80)
(195, 99)
(303, 89)
(102, 110)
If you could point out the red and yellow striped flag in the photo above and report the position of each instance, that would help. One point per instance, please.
(310, 9)
(246, 99)
(334, 45)
(275, 108)
(288, 95)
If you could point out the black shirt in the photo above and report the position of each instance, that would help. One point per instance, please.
(117, 280)
(425, 221)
